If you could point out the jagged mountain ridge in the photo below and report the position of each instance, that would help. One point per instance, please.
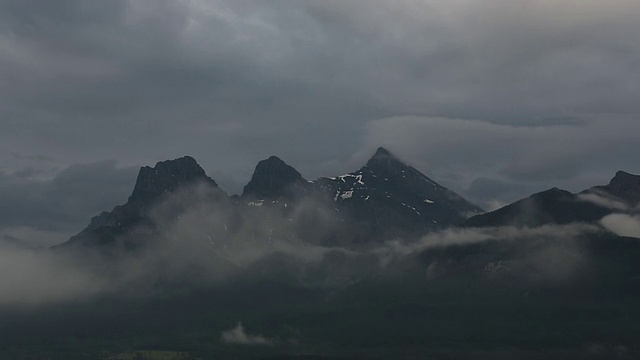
(389, 197)
(383, 199)
(556, 206)
(152, 185)
(168, 176)
(623, 187)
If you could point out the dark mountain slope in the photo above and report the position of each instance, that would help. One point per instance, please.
(152, 186)
(553, 206)
(387, 198)
(273, 179)
(167, 176)
(557, 206)
(624, 187)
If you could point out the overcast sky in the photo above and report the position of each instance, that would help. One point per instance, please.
(495, 99)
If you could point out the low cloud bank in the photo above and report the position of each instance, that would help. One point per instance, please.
(32, 277)
(604, 201)
(239, 336)
(622, 224)
(202, 242)
(46, 211)
(456, 237)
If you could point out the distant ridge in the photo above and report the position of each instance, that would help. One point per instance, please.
(624, 187)
(556, 206)
(384, 199)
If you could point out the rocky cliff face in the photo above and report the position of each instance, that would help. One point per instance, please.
(152, 185)
(624, 187)
(273, 179)
(388, 198)
(167, 176)
(384, 199)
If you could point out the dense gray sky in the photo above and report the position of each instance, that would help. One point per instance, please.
(495, 99)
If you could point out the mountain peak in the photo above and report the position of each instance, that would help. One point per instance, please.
(274, 178)
(274, 160)
(167, 176)
(383, 158)
(552, 194)
(553, 206)
(625, 181)
(380, 152)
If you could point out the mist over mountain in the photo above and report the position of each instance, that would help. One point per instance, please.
(152, 186)
(383, 256)
(621, 193)
(382, 200)
(556, 206)
(366, 179)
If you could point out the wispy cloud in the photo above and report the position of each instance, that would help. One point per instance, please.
(239, 336)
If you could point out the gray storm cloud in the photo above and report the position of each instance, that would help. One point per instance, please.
(524, 159)
(482, 96)
(227, 81)
(41, 209)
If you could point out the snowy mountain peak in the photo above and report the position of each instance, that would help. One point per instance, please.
(387, 197)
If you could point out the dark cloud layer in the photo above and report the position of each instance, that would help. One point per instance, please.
(526, 93)
(47, 211)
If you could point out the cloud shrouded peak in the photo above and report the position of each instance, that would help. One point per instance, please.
(521, 93)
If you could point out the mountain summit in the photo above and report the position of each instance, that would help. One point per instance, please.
(383, 162)
(625, 181)
(273, 178)
(385, 198)
(624, 187)
(388, 197)
(382, 153)
(152, 185)
(167, 176)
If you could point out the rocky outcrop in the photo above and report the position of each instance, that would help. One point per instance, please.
(273, 179)
(167, 176)
(152, 185)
